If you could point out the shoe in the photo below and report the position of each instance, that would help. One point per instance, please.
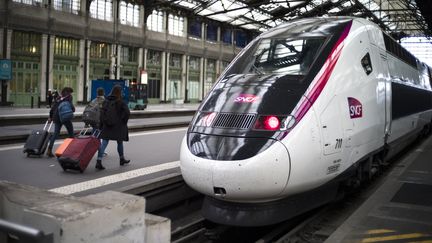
(99, 165)
(49, 153)
(105, 154)
(124, 161)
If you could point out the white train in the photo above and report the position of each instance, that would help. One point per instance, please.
(305, 108)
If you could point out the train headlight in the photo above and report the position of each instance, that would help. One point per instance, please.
(271, 123)
(274, 123)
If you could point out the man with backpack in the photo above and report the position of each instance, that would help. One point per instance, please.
(91, 114)
(61, 113)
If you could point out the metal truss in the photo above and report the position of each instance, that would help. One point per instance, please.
(400, 18)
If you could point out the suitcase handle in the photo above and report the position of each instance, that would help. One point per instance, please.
(46, 124)
(96, 133)
(83, 131)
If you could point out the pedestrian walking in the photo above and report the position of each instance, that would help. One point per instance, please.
(49, 98)
(61, 113)
(91, 114)
(114, 118)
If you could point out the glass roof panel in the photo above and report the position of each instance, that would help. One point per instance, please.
(186, 4)
(237, 22)
(250, 26)
(221, 17)
(394, 14)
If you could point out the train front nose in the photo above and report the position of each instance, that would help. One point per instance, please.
(261, 177)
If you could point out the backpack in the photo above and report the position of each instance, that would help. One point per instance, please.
(65, 111)
(91, 114)
(110, 116)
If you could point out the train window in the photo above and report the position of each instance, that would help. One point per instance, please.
(366, 63)
(287, 56)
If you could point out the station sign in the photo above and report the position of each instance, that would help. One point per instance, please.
(5, 69)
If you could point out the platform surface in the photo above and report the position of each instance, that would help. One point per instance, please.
(400, 210)
(154, 154)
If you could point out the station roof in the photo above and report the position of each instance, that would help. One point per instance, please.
(400, 18)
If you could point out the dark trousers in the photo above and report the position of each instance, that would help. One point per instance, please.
(57, 128)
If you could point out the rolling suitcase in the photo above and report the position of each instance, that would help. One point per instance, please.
(80, 151)
(37, 141)
(59, 151)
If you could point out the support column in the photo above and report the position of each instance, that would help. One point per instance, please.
(118, 62)
(43, 82)
(204, 75)
(83, 6)
(5, 47)
(164, 76)
(8, 43)
(3, 89)
(113, 62)
(81, 73)
(183, 78)
(51, 44)
(140, 63)
(87, 76)
(218, 64)
(145, 59)
(2, 41)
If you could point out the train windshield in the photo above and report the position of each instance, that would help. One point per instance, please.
(278, 56)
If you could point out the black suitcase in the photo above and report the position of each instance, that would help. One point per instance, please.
(37, 141)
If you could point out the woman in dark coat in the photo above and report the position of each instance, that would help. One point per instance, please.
(114, 117)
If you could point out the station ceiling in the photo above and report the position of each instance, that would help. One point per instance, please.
(400, 18)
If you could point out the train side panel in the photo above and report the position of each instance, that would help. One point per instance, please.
(347, 131)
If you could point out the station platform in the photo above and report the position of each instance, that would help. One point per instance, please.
(156, 117)
(400, 210)
(38, 189)
(145, 150)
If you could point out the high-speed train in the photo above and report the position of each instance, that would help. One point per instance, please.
(305, 108)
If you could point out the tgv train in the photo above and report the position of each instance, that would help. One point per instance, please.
(305, 108)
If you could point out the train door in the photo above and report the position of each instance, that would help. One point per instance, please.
(331, 126)
(387, 90)
(382, 75)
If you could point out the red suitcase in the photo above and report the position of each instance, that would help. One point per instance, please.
(80, 151)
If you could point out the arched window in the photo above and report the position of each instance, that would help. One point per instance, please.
(176, 25)
(155, 21)
(101, 9)
(129, 14)
(70, 6)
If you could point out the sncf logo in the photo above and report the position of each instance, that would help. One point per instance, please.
(355, 108)
(246, 98)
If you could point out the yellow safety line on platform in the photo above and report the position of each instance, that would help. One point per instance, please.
(379, 231)
(394, 237)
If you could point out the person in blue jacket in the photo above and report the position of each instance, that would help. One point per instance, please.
(65, 96)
